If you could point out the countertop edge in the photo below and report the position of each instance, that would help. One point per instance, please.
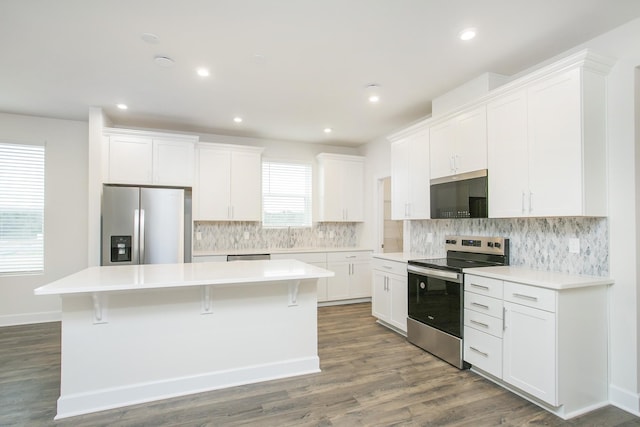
(540, 278)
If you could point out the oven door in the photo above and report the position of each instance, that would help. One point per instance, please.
(435, 298)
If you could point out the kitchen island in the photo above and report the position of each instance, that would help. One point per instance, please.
(133, 334)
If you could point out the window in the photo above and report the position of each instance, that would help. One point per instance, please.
(286, 194)
(21, 208)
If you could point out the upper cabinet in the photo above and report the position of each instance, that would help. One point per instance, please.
(547, 147)
(341, 188)
(410, 176)
(148, 158)
(228, 183)
(459, 144)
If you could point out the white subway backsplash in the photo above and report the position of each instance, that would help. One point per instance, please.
(540, 243)
(216, 236)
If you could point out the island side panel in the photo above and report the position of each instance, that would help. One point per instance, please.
(157, 344)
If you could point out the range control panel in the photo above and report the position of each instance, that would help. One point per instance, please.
(485, 245)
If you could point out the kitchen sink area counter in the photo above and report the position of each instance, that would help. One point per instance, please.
(134, 334)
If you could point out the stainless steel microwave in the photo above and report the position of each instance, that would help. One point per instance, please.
(460, 196)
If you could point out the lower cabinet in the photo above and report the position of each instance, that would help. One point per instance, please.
(389, 287)
(352, 278)
(549, 345)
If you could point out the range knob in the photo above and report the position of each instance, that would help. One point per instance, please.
(490, 244)
(497, 245)
(451, 242)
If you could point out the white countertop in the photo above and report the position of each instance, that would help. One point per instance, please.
(539, 278)
(155, 276)
(277, 251)
(404, 256)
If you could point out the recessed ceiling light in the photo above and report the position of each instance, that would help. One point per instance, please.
(373, 93)
(467, 34)
(122, 106)
(150, 38)
(203, 72)
(237, 119)
(164, 61)
(328, 130)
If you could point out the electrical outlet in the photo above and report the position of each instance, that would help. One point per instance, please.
(198, 235)
(574, 246)
(246, 235)
(332, 234)
(321, 234)
(429, 237)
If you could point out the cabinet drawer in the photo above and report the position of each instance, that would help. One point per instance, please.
(393, 267)
(531, 296)
(483, 304)
(349, 256)
(483, 351)
(483, 285)
(483, 322)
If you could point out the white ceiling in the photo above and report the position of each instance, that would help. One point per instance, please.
(290, 68)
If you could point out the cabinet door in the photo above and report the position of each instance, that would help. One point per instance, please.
(173, 163)
(130, 160)
(338, 285)
(555, 146)
(353, 194)
(529, 351)
(507, 155)
(419, 178)
(381, 297)
(331, 204)
(213, 185)
(246, 186)
(471, 143)
(442, 140)
(400, 182)
(399, 301)
(360, 279)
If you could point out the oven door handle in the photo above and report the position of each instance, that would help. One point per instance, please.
(441, 274)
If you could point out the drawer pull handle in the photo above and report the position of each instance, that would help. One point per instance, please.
(486, 288)
(486, 307)
(527, 297)
(480, 352)
(475, 322)
(388, 267)
(351, 256)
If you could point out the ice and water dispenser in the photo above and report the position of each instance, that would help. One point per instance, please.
(120, 248)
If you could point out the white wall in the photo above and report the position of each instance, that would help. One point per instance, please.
(65, 222)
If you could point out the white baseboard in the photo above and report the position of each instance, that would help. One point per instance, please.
(625, 400)
(82, 403)
(28, 318)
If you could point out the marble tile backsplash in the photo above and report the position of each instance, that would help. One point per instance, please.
(215, 236)
(540, 243)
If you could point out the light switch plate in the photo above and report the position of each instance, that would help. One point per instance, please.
(246, 235)
(198, 235)
(574, 246)
(429, 237)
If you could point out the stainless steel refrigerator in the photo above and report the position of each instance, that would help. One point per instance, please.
(145, 225)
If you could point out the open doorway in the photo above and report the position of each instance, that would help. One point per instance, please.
(390, 230)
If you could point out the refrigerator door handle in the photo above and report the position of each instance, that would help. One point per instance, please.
(136, 235)
(142, 260)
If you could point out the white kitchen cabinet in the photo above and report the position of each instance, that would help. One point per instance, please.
(228, 183)
(319, 259)
(148, 158)
(547, 148)
(529, 351)
(549, 345)
(341, 188)
(410, 176)
(459, 145)
(352, 278)
(389, 301)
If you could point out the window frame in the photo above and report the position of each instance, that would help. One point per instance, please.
(308, 214)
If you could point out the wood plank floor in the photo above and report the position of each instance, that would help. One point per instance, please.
(370, 377)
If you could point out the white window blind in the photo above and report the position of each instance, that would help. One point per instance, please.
(286, 194)
(21, 208)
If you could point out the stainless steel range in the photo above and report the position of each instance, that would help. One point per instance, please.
(436, 292)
